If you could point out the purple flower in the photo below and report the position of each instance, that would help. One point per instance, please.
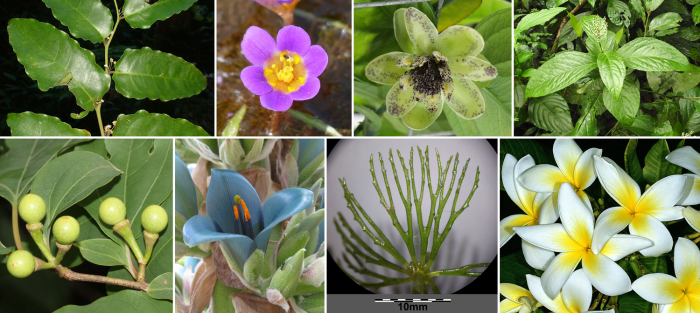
(284, 71)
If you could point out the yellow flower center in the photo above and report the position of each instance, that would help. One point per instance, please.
(246, 214)
(285, 72)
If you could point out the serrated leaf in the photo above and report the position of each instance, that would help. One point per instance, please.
(156, 75)
(653, 55)
(687, 80)
(537, 18)
(696, 14)
(551, 113)
(161, 287)
(37, 45)
(612, 72)
(665, 21)
(619, 13)
(652, 5)
(68, 179)
(141, 14)
(587, 124)
(33, 124)
(562, 70)
(86, 19)
(123, 301)
(690, 115)
(102, 252)
(625, 108)
(147, 124)
(641, 125)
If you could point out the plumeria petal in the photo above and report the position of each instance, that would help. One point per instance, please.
(691, 191)
(466, 100)
(686, 263)
(507, 224)
(420, 30)
(224, 186)
(508, 306)
(620, 246)
(695, 289)
(558, 272)
(315, 61)
(584, 174)
(608, 277)
(419, 117)
(383, 70)
(458, 40)
(649, 227)
(662, 196)
(548, 212)
(276, 101)
(538, 202)
(694, 300)
(294, 39)
(609, 223)
(551, 237)
(308, 90)
(537, 257)
(253, 78)
(616, 182)
(687, 158)
(542, 178)
(575, 216)
(534, 284)
(508, 177)
(471, 68)
(399, 101)
(280, 206)
(513, 292)
(527, 197)
(682, 306)
(658, 288)
(692, 216)
(577, 293)
(257, 45)
(566, 154)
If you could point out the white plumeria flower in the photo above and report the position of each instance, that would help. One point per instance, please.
(573, 238)
(575, 297)
(680, 294)
(538, 208)
(517, 299)
(643, 213)
(693, 217)
(573, 166)
(689, 159)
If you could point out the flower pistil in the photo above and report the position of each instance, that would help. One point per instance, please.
(285, 72)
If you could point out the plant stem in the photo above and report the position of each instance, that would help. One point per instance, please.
(142, 272)
(108, 41)
(460, 271)
(98, 106)
(379, 260)
(70, 275)
(15, 227)
(313, 122)
(123, 228)
(35, 231)
(383, 3)
(418, 282)
(150, 240)
(275, 123)
(433, 285)
(62, 250)
(563, 22)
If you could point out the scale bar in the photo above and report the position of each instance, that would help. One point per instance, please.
(411, 300)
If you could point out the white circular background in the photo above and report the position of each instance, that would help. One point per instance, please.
(473, 238)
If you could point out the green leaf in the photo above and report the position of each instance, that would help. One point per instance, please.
(86, 19)
(372, 121)
(123, 301)
(37, 44)
(618, 35)
(551, 113)
(687, 80)
(632, 166)
(690, 113)
(22, 160)
(625, 108)
(612, 72)
(455, 12)
(141, 14)
(102, 252)
(314, 303)
(5, 250)
(33, 124)
(576, 25)
(562, 70)
(655, 264)
(143, 123)
(514, 268)
(537, 18)
(221, 298)
(655, 163)
(652, 4)
(291, 246)
(587, 124)
(68, 179)
(641, 125)
(166, 76)
(660, 82)
(619, 13)
(696, 14)
(665, 21)
(638, 9)
(161, 287)
(653, 55)
(231, 129)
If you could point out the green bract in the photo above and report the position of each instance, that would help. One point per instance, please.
(21, 264)
(66, 229)
(112, 211)
(32, 208)
(432, 70)
(154, 219)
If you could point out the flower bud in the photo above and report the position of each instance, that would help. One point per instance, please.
(253, 267)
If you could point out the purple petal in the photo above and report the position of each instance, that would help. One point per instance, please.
(276, 101)
(253, 78)
(315, 61)
(308, 90)
(257, 45)
(294, 39)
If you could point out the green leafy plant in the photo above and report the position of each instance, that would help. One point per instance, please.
(615, 69)
(68, 180)
(53, 58)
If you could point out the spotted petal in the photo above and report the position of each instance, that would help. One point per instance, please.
(649, 227)
(658, 288)
(420, 30)
(471, 68)
(419, 118)
(383, 70)
(466, 100)
(692, 216)
(608, 277)
(457, 41)
(280, 206)
(223, 187)
(399, 102)
(616, 182)
(686, 263)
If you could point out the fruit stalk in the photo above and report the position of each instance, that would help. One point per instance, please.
(123, 228)
(150, 240)
(62, 250)
(35, 231)
(70, 275)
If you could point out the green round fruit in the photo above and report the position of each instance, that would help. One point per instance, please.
(154, 219)
(32, 208)
(21, 263)
(66, 230)
(112, 211)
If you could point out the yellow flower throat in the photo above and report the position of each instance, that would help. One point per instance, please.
(285, 72)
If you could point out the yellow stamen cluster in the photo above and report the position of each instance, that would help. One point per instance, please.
(246, 214)
(285, 72)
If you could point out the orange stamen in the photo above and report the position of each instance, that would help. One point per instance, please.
(246, 214)
(235, 211)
